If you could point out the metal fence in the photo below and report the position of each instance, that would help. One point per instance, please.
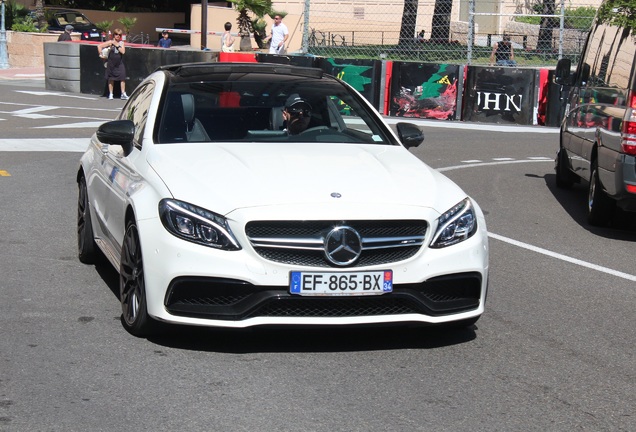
(450, 31)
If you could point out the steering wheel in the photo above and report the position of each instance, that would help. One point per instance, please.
(315, 130)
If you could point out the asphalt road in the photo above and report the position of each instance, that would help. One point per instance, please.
(553, 352)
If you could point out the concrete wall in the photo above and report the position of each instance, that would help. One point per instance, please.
(62, 66)
(147, 22)
(25, 49)
(77, 68)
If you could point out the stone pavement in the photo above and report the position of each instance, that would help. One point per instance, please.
(36, 73)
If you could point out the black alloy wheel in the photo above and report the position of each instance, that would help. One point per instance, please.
(87, 250)
(132, 288)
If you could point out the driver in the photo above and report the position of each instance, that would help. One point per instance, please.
(297, 114)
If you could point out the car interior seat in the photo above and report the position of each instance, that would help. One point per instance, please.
(179, 121)
(276, 119)
(194, 129)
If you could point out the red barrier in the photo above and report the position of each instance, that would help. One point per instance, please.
(387, 86)
(237, 57)
(543, 96)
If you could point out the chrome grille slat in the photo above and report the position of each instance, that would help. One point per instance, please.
(301, 242)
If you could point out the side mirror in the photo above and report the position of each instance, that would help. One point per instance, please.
(562, 73)
(410, 135)
(117, 132)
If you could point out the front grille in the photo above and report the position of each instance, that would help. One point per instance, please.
(301, 243)
(227, 299)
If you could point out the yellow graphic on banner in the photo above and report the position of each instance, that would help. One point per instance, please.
(444, 80)
(4, 173)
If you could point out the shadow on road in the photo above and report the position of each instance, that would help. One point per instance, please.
(331, 339)
(574, 202)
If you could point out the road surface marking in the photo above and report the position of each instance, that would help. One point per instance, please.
(563, 257)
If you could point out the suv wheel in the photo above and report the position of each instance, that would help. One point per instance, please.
(564, 177)
(599, 206)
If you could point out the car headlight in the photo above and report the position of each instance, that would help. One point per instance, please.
(197, 225)
(456, 225)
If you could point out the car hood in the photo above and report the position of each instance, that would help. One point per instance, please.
(227, 177)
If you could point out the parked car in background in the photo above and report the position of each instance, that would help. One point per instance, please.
(598, 132)
(58, 19)
(238, 195)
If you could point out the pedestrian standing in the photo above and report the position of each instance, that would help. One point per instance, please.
(115, 68)
(227, 40)
(278, 36)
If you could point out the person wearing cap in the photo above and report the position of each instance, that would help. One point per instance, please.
(66, 35)
(297, 114)
(165, 41)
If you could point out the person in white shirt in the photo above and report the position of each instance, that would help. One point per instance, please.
(278, 37)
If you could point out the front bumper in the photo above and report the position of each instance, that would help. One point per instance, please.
(196, 285)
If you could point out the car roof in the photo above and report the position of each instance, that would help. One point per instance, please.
(58, 10)
(194, 71)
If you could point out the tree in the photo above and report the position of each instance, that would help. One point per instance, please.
(409, 20)
(618, 12)
(440, 24)
(440, 31)
(39, 13)
(547, 25)
(245, 7)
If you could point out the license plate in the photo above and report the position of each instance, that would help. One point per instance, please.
(341, 284)
(94, 34)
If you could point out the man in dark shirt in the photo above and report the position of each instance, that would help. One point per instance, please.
(66, 35)
(503, 53)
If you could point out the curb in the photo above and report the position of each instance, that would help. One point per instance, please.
(31, 73)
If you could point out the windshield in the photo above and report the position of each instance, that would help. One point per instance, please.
(267, 108)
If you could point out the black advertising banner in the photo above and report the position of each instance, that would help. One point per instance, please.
(499, 95)
(361, 74)
(424, 90)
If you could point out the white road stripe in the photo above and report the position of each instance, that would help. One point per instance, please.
(91, 125)
(48, 144)
(563, 257)
(33, 110)
(472, 165)
(57, 94)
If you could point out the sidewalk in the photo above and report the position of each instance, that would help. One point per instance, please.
(31, 73)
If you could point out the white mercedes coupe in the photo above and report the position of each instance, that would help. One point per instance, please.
(238, 195)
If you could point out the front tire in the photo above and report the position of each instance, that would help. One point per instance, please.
(87, 250)
(564, 177)
(132, 287)
(599, 206)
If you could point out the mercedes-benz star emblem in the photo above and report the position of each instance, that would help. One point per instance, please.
(343, 245)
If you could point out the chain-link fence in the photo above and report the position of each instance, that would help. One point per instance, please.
(450, 31)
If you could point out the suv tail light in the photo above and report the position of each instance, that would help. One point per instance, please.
(628, 131)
